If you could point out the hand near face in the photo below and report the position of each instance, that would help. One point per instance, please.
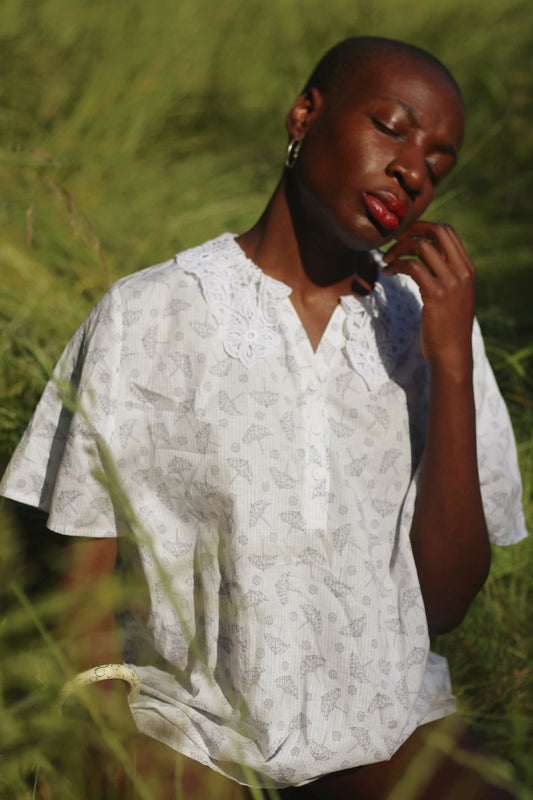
(434, 257)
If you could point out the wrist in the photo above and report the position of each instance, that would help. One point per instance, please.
(456, 372)
(103, 705)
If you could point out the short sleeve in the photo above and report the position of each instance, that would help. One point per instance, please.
(59, 464)
(499, 475)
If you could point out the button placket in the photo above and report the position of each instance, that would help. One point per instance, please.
(317, 475)
(313, 370)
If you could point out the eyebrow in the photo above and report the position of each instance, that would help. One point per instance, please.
(448, 148)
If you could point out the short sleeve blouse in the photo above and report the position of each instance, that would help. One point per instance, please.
(269, 490)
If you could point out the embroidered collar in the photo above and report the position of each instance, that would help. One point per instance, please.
(246, 305)
(380, 326)
(244, 301)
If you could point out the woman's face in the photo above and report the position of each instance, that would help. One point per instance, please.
(373, 154)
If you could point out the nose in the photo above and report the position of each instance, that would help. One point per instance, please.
(410, 172)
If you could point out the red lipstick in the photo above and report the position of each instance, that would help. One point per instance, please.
(384, 208)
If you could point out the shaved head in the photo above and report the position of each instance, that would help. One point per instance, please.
(337, 68)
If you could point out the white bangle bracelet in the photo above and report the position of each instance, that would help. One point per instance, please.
(105, 672)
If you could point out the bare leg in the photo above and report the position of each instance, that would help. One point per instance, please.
(167, 775)
(439, 761)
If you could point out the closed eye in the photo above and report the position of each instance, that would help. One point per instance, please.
(432, 176)
(385, 128)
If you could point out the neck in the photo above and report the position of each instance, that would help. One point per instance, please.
(287, 248)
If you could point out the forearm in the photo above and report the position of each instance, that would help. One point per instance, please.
(448, 534)
(94, 646)
(87, 627)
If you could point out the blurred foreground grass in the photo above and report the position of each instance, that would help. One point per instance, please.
(131, 130)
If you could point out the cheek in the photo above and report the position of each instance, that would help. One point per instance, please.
(360, 161)
(424, 200)
(319, 175)
(335, 167)
(337, 171)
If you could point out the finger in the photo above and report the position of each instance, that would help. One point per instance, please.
(445, 239)
(422, 228)
(447, 243)
(423, 249)
(424, 279)
(407, 247)
(426, 231)
(460, 250)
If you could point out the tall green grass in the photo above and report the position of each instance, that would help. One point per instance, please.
(130, 130)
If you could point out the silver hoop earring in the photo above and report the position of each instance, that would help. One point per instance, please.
(293, 151)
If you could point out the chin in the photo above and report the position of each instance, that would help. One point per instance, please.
(350, 229)
(365, 237)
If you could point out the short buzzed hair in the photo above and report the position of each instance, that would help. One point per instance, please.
(338, 65)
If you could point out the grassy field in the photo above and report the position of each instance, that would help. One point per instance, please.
(130, 130)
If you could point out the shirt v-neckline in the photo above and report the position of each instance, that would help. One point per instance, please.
(248, 305)
(286, 293)
(331, 335)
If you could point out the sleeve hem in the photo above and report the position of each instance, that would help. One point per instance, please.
(52, 524)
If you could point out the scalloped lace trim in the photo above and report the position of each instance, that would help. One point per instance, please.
(246, 305)
(244, 301)
(380, 327)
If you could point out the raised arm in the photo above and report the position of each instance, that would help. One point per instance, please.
(448, 534)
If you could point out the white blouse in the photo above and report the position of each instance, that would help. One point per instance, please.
(270, 491)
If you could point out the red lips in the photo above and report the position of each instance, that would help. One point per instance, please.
(384, 208)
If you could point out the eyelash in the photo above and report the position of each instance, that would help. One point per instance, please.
(432, 177)
(395, 135)
(385, 128)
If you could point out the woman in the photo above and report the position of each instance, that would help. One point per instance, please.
(290, 420)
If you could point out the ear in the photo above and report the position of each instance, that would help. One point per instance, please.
(303, 113)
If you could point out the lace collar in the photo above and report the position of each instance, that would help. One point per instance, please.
(380, 327)
(244, 301)
(246, 304)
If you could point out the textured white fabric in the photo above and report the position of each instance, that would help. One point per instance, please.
(274, 487)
